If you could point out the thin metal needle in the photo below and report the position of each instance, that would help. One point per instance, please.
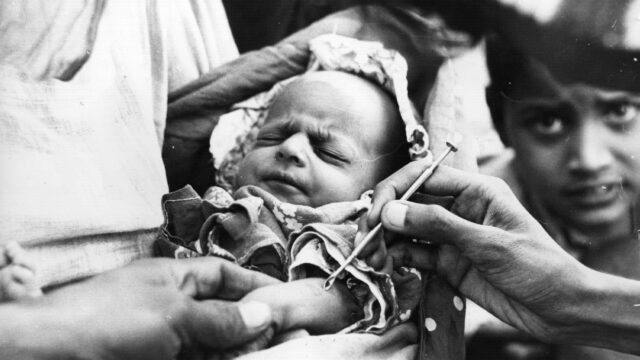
(451, 147)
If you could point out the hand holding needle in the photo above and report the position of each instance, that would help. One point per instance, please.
(452, 146)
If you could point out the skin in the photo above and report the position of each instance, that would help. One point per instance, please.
(299, 309)
(564, 134)
(576, 147)
(296, 315)
(329, 137)
(336, 142)
(577, 150)
(153, 309)
(17, 274)
(500, 257)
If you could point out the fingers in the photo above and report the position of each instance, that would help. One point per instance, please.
(210, 277)
(363, 230)
(299, 308)
(412, 255)
(447, 181)
(257, 344)
(453, 265)
(18, 256)
(431, 222)
(289, 335)
(17, 282)
(223, 325)
(390, 189)
(393, 187)
(375, 251)
(378, 258)
(388, 266)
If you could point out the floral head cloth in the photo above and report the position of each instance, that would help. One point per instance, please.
(236, 131)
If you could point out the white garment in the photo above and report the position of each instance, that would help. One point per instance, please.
(82, 157)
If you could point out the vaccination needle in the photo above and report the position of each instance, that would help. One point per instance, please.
(452, 146)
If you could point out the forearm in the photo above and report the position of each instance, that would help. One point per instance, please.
(29, 331)
(304, 304)
(606, 313)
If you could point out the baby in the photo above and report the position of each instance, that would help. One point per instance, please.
(298, 160)
(329, 136)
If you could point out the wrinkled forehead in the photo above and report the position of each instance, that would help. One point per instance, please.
(356, 102)
(344, 103)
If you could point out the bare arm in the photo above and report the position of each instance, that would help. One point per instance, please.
(304, 304)
(501, 258)
(151, 310)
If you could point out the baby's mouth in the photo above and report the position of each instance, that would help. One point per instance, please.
(283, 179)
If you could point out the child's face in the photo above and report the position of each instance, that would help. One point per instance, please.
(329, 137)
(577, 148)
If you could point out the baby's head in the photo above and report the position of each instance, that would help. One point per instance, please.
(329, 137)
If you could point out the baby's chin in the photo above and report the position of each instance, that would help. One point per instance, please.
(285, 192)
(293, 199)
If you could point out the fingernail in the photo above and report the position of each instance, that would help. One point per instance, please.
(255, 314)
(395, 214)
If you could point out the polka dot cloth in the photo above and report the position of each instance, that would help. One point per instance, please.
(442, 321)
(458, 303)
(430, 324)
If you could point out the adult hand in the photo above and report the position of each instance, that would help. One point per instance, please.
(154, 309)
(499, 256)
(48, 38)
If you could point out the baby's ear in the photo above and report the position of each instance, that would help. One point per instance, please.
(495, 102)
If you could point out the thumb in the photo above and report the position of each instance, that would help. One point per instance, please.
(433, 223)
(222, 325)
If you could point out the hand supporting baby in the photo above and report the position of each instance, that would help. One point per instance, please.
(296, 306)
(295, 311)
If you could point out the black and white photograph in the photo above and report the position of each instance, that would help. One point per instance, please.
(320, 179)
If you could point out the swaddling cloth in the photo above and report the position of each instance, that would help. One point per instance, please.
(288, 242)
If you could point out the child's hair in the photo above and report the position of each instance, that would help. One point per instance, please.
(505, 64)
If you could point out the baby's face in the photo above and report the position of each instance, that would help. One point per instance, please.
(329, 137)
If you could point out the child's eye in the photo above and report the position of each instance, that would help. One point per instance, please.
(621, 113)
(548, 125)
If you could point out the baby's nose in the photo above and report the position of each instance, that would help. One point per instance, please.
(293, 150)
